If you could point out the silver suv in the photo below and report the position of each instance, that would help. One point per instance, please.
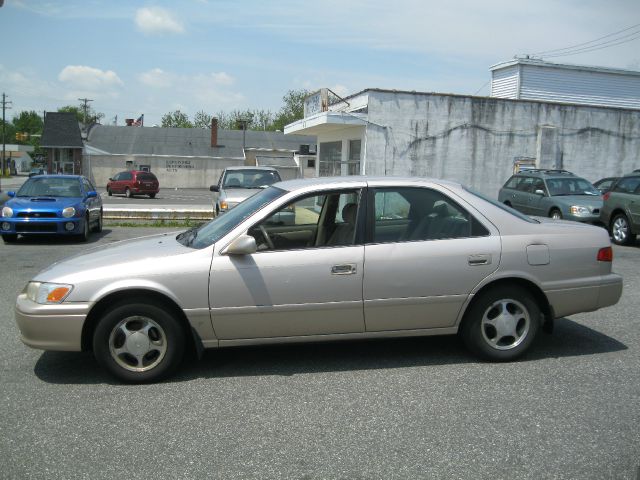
(236, 184)
(552, 193)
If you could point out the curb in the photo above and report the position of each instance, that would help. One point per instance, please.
(111, 213)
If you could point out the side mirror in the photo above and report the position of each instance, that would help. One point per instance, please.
(92, 194)
(540, 192)
(243, 245)
(214, 188)
(11, 194)
(110, 179)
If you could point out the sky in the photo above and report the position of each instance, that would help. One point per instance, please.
(153, 57)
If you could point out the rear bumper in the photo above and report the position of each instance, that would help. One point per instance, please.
(586, 298)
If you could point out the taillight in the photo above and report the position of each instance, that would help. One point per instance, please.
(606, 196)
(605, 254)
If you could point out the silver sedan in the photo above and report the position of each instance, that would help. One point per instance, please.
(323, 259)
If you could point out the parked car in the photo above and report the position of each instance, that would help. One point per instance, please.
(52, 204)
(236, 184)
(558, 194)
(364, 258)
(37, 171)
(621, 209)
(605, 184)
(134, 182)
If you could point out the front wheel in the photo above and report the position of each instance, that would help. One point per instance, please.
(10, 237)
(138, 342)
(109, 192)
(84, 235)
(556, 214)
(501, 324)
(98, 226)
(620, 230)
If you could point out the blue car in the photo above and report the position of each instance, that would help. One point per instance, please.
(52, 205)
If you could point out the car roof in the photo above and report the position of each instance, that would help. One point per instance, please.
(547, 173)
(58, 175)
(358, 181)
(248, 167)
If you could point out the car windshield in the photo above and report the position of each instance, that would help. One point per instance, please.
(210, 233)
(50, 187)
(501, 206)
(247, 178)
(570, 186)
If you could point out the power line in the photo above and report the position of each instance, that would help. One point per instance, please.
(591, 41)
(595, 47)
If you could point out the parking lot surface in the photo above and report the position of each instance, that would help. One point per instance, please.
(405, 408)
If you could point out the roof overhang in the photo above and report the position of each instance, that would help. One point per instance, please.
(325, 122)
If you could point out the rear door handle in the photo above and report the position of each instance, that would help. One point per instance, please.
(346, 269)
(479, 259)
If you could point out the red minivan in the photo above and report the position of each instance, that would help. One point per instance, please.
(134, 182)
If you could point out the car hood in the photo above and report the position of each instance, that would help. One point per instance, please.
(119, 257)
(237, 195)
(38, 203)
(593, 201)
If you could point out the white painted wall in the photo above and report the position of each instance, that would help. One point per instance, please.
(172, 172)
(474, 140)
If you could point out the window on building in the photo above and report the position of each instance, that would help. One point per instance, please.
(353, 166)
(330, 159)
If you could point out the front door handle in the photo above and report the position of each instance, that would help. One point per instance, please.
(479, 259)
(346, 269)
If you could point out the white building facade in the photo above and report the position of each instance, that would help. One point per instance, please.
(474, 140)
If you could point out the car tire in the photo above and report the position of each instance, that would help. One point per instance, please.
(507, 203)
(98, 226)
(138, 342)
(84, 236)
(152, 195)
(109, 192)
(10, 237)
(555, 214)
(620, 230)
(501, 324)
(127, 193)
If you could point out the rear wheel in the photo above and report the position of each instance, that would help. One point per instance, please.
(507, 203)
(555, 214)
(501, 324)
(127, 193)
(152, 195)
(620, 230)
(10, 237)
(138, 342)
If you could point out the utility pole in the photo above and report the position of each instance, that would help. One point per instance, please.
(5, 105)
(85, 107)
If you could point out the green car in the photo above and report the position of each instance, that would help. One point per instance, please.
(621, 209)
(552, 193)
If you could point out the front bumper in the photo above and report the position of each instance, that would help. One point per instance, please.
(51, 327)
(41, 226)
(592, 219)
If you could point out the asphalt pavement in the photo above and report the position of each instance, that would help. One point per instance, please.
(387, 409)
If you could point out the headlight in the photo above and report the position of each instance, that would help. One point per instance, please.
(7, 212)
(68, 212)
(579, 210)
(47, 293)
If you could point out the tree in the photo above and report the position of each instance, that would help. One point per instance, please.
(92, 115)
(176, 119)
(292, 110)
(202, 120)
(32, 124)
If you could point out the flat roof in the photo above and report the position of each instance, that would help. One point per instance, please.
(535, 62)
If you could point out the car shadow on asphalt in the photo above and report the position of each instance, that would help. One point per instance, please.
(59, 239)
(568, 340)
